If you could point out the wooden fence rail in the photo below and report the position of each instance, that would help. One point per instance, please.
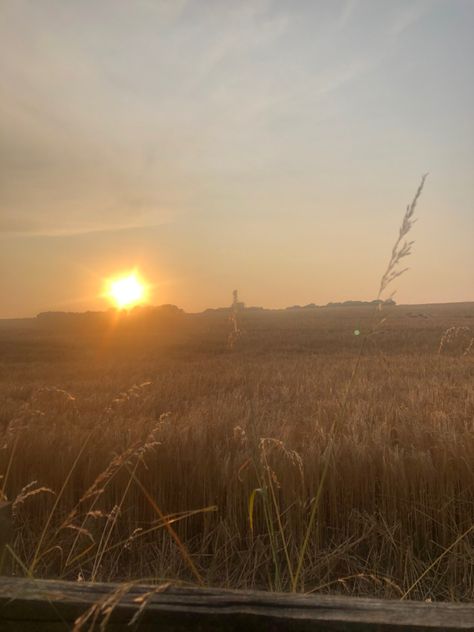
(54, 606)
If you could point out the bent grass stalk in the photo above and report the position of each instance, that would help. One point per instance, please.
(94, 492)
(169, 520)
(181, 546)
(107, 532)
(437, 560)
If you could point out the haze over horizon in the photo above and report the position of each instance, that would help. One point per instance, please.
(266, 145)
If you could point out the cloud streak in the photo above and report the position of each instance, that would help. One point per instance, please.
(116, 114)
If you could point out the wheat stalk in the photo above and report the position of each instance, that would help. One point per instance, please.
(401, 248)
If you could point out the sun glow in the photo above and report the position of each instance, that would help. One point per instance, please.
(127, 291)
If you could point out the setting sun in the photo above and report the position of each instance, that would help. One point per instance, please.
(127, 291)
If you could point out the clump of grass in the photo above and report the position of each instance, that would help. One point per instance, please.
(89, 546)
(459, 338)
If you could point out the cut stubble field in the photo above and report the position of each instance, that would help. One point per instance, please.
(305, 458)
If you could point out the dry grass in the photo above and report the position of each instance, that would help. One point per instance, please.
(132, 440)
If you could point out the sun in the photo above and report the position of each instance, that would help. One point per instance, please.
(127, 291)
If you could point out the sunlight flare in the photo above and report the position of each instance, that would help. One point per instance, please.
(127, 291)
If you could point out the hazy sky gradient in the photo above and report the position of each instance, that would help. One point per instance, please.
(265, 145)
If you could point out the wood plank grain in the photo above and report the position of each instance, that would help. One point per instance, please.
(55, 605)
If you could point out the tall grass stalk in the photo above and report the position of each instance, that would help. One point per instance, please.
(400, 250)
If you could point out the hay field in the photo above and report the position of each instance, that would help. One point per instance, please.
(164, 454)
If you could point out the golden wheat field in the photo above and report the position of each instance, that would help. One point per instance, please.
(328, 450)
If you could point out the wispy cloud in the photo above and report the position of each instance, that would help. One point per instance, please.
(348, 10)
(408, 15)
(126, 114)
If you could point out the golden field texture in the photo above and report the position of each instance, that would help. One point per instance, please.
(304, 458)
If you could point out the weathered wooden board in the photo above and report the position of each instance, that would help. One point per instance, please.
(45, 605)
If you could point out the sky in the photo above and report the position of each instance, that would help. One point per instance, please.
(266, 145)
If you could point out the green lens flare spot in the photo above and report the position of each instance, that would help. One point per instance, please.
(356, 332)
